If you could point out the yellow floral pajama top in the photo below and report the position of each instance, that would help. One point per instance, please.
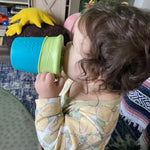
(66, 124)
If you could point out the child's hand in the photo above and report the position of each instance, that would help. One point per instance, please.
(47, 87)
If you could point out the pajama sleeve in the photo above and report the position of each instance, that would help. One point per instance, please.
(69, 128)
(48, 120)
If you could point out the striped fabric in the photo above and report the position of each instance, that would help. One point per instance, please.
(135, 107)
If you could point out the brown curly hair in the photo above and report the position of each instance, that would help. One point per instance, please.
(120, 45)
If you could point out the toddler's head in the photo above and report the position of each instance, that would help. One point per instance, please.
(119, 53)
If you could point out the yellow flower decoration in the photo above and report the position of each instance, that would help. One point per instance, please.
(91, 2)
(125, 3)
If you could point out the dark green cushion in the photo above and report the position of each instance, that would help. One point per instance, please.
(17, 130)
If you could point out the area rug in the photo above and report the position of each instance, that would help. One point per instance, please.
(20, 84)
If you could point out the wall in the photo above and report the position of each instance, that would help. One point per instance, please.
(142, 4)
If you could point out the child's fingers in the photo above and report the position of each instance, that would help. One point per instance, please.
(41, 76)
(38, 77)
(50, 78)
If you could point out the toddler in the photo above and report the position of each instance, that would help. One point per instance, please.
(109, 55)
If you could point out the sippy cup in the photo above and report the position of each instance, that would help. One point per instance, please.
(37, 54)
